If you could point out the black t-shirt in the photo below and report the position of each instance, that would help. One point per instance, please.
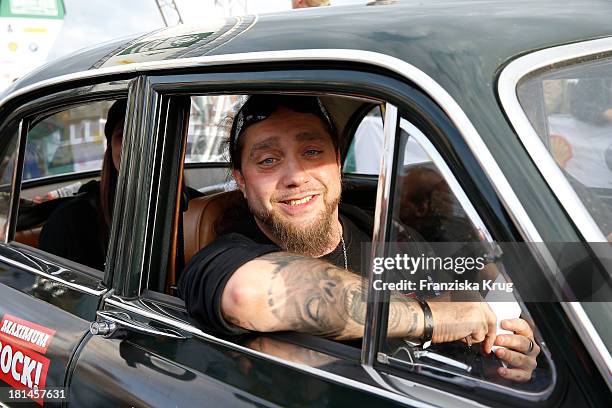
(205, 276)
(73, 231)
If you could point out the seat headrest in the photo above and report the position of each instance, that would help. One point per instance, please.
(203, 220)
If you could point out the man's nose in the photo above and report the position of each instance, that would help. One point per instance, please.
(295, 173)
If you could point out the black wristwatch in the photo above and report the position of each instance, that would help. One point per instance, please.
(428, 326)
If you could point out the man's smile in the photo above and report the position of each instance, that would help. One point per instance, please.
(298, 202)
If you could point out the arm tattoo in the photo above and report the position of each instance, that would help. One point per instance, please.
(313, 296)
(403, 315)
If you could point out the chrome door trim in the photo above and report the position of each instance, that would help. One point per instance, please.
(590, 231)
(15, 177)
(57, 276)
(592, 341)
(185, 327)
(374, 299)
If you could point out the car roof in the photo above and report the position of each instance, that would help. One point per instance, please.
(448, 37)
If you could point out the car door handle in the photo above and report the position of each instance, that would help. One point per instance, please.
(116, 324)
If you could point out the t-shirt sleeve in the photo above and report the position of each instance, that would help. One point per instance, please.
(205, 276)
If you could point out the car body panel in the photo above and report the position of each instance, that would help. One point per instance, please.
(66, 315)
(220, 375)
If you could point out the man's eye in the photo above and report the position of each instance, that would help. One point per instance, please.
(313, 152)
(267, 161)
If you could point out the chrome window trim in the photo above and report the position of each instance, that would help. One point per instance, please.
(183, 326)
(77, 176)
(56, 278)
(14, 177)
(590, 231)
(384, 191)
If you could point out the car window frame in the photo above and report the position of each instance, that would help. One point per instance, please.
(351, 131)
(392, 365)
(40, 105)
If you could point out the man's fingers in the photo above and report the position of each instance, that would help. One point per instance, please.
(514, 342)
(516, 359)
(488, 343)
(491, 329)
(518, 326)
(514, 374)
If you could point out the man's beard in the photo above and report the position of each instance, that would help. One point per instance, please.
(311, 240)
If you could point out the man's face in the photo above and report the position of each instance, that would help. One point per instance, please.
(290, 175)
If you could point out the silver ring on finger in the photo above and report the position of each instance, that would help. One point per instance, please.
(530, 348)
(468, 340)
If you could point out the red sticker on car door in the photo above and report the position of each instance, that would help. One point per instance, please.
(22, 344)
(26, 334)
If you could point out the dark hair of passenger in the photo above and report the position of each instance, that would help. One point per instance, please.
(110, 175)
(108, 185)
(259, 107)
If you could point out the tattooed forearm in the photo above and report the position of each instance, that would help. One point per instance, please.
(309, 295)
(404, 317)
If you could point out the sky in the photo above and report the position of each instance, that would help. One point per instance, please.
(90, 22)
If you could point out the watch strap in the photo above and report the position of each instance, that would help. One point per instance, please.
(428, 324)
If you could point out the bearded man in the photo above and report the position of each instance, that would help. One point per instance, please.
(293, 262)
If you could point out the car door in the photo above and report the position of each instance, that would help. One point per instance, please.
(47, 301)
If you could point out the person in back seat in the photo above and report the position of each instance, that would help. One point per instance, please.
(78, 230)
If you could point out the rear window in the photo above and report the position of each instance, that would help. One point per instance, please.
(571, 110)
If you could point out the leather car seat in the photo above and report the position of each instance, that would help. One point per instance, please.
(202, 217)
(29, 236)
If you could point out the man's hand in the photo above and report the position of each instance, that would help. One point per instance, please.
(473, 321)
(515, 350)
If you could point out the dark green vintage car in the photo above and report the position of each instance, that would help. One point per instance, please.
(506, 105)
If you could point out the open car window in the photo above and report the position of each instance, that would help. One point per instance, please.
(205, 156)
(67, 142)
(440, 250)
(60, 210)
